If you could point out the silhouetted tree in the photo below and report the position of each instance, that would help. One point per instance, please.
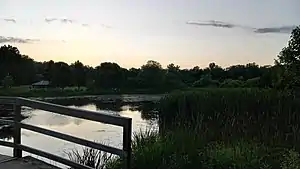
(61, 75)
(78, 74)
(151, 75)
(109, 75)
(8, 81)
(289, 58)
(20, 67)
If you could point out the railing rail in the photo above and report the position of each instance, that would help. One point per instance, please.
(18, 102)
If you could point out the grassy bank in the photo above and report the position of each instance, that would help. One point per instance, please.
(221, 129)
(184, 149)
(25, 91)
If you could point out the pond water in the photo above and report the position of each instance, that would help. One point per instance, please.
(142, 114)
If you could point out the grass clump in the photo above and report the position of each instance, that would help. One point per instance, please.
(90, 157)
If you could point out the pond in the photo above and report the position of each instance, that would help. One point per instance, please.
(142, 110)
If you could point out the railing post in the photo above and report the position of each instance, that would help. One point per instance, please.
(17, 130)
(127, 129)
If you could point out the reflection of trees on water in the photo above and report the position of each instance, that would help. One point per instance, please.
(148, 109)
(148, 112)
(116, 106)
(6, 134)
(72, 102)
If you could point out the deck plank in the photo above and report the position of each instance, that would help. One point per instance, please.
(27, 162)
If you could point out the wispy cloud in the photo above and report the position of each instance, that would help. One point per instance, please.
(221, 24)
(4, 39)
(72, 21)
(282, 29)
(64, 20)
(212, 23)
(49, 20)
(10, 20)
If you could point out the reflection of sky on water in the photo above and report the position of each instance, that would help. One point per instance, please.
(94, 131)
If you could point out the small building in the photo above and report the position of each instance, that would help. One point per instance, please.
(41, 84)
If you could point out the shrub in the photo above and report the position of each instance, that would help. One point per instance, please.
(229, 83)
(206, 81)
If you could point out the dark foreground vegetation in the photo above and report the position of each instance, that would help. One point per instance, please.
(252, 125)
(217, 129)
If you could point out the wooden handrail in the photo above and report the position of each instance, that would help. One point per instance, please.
(17, 102)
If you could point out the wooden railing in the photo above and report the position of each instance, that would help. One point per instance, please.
(17, 102)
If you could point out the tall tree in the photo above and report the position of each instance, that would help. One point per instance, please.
(15, 64)
(151, 75)
(109, 75)
(289, 58)
(78, 74)
(61, 75)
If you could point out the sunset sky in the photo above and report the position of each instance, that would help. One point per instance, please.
(130, 32)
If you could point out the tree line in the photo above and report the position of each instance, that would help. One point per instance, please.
(17, 69)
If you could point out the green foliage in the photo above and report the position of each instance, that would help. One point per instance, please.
(291, 160)
(78, 74)
(229, 83)
(205, 81)
(19, 66)
(289, 58)
(185, 148)
(8, 81)
(151, 75)
(240, 155)
(90, 157)
(109, 75)
(61, 75)
(173, 81)
(230, 114)
(254, 82)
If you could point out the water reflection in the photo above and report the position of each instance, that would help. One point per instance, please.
(142, 113)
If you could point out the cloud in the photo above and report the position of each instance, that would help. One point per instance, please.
(4, 39)
(221, 24)
(213, 23)
(66, 20)
(48, 20)
(62, 20)
(10, 20)
(282, 29)
(71, 21)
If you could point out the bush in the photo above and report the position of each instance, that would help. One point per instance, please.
(229, 83)
(8, 81)
(254, 82)
(206, 81)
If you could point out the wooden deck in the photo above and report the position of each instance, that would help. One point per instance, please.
(24, 163)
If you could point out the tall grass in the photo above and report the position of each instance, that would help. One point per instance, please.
(221, 129)
(184, 150)
(90, 157)
(268, 116)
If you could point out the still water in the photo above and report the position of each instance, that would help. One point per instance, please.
(142, 114)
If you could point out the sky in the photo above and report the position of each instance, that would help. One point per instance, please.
(130, 32)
